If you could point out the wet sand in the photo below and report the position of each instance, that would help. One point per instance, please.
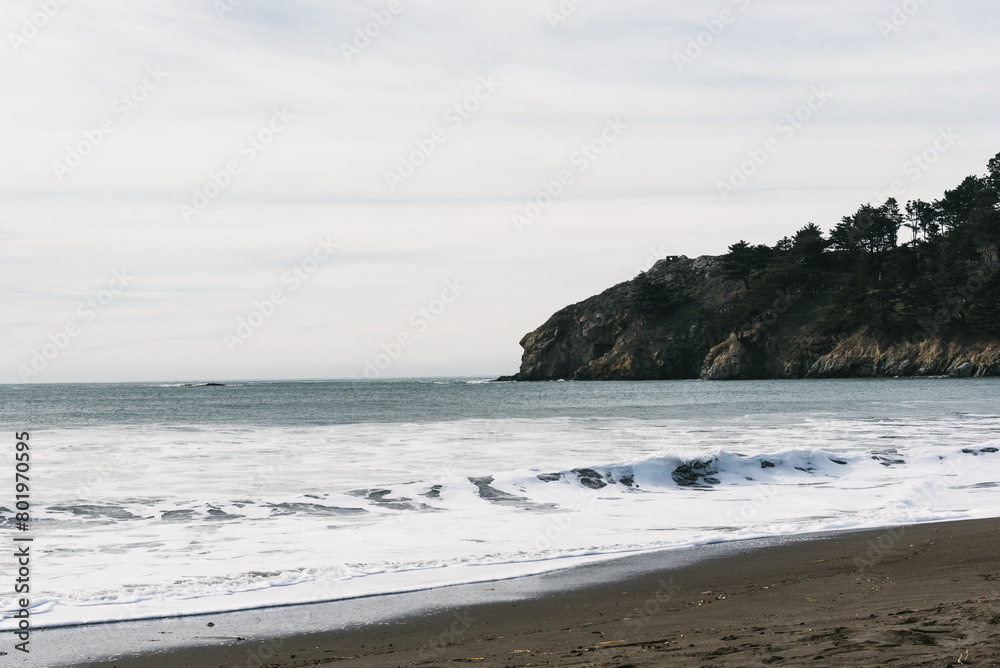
(925, 595)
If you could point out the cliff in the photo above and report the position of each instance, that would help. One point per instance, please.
(675, 334)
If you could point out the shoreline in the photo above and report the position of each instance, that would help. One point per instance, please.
(833, 599)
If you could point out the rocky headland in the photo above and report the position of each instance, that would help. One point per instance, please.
(606, 337)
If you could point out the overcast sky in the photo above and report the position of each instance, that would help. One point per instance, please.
(170, 167)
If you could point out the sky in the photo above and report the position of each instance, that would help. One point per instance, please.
(288, 189)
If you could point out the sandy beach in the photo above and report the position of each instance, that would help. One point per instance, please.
(924, 595)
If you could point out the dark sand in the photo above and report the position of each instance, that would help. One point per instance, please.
(925, 595)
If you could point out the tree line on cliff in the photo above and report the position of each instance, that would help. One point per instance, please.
(942, 278)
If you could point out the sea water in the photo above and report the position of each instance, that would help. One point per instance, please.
(163, 499)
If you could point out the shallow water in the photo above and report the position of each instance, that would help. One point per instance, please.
(156, 499)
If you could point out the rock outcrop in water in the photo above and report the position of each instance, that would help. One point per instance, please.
(612, 337)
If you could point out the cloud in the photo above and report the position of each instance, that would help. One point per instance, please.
(356, 118)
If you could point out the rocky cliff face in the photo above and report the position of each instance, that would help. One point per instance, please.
(600, 339)
(605, 338)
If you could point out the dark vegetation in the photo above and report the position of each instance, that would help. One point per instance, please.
(931, 267)
(850, 302)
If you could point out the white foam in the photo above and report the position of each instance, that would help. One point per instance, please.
(158, 522)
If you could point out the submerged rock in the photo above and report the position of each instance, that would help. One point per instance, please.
(696, 474)
(590, 478)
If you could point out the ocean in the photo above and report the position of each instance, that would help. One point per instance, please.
(164, 499)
